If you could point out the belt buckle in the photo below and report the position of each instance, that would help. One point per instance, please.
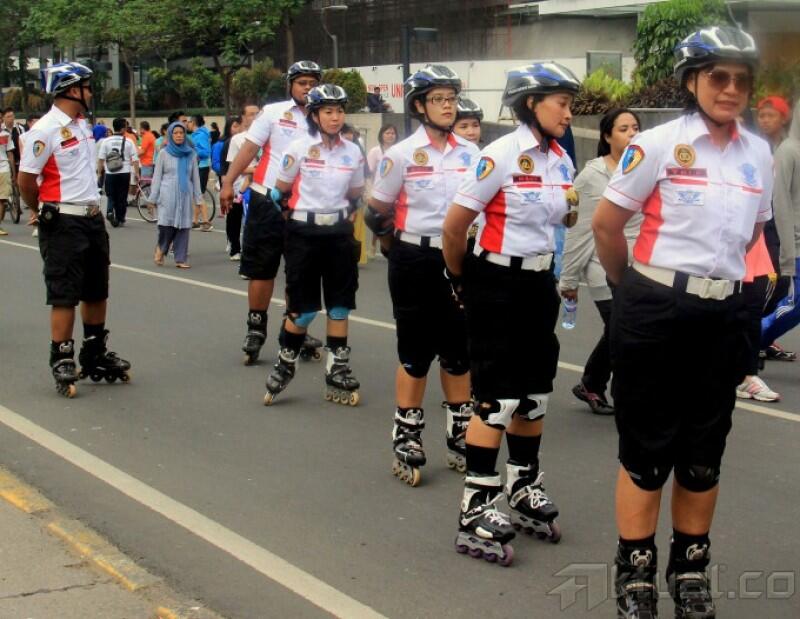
(713, 289)
(325, 219)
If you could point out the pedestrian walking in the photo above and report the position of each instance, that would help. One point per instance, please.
(117, 163)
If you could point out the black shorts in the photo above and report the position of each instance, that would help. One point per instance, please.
(429, 322)
(76, 259)
(511, 320)
(326, 255)
(263, 238)
(677, 360)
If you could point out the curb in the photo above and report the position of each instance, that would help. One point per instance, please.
(90, 545)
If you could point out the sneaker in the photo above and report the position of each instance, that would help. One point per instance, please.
(753, 388)
(206, 227)
(3, 232)
(195, 225)
(774, 352)
(597, 402)
(35, 231)
(236, 258)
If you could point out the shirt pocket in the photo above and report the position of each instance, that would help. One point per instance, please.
(744, 202)
(684, 192)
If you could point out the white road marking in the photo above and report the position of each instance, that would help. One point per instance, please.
(263, 561)
(752, 408)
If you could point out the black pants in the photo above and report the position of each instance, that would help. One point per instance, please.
(755, 299)
(117, 194)
(233, 227)
(204, 172)
(597, 372)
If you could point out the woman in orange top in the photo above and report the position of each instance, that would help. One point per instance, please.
(147, 149)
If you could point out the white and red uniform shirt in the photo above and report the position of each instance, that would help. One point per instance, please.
(6, 144)
(321, 177)
(521, 192)
(700, 203)
(420, 180)
(61, 150)
(276, 126)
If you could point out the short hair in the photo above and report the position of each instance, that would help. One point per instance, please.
(246, 105)
(7, 110)
(377, 88)
(198, 120)
(175, 116)
(33, 116)
(119, 124)
(145, 125)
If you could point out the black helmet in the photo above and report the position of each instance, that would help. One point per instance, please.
(303, 67)
(467, 108)
(714, 44)
(541, 78)
(325, 94)
(426, 79)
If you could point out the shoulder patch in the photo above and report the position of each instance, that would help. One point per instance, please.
(38, 148)
(484, 168)
(288, 162)
(525, 163)
(385, 167)
(684, 155)
(634, 155)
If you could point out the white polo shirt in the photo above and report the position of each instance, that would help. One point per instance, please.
(420, 180)
(273, 129)
(521, 192)
(700, 204)
(6, 144)
(61, 150)
(115, 142)
(321, 177)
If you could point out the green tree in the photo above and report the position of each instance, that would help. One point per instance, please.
(17, 33)
(663, 25)
(254, 85)
(353, 84)
(132, 25)
(231, 32)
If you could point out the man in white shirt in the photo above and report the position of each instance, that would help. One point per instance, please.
(7, 168)
(116, 157)
(233, 218)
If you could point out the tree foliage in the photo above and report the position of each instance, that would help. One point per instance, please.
(262, 83)
(663, 25)
(353, 84)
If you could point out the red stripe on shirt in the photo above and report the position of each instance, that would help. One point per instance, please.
(50, 189)
(401, 211)
(261, 170)
(643, 250)
(680, 180)
(493, 231)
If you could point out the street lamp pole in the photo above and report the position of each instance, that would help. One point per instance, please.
(333, 37)
(407, 34)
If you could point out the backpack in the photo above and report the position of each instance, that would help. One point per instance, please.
(216, 157)
(116, 159)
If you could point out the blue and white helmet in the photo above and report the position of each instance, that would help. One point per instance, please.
(304, 67)
(715, 44)
(325, 94)
(540, 78)
(62, 76)
(467, 108)
(426, 79)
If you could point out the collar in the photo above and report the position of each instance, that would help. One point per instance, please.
(317, 141)
(697, 128)
(419, 138)
(61, 116)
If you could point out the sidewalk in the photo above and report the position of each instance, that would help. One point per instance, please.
(51, 566)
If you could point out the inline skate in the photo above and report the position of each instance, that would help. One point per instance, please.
(340, 384)
(407, 444)
(458, 416)
(255, 337)
(688, 583)
(635, 583)
(310, 350)
(281, 375)
(62, 362)
(532, 511)
(98, 363)
(483, 530)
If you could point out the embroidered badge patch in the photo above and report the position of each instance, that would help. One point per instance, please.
(288, 162)
(685, 155)
(420, 157)
(565, 175)
(749, 174)
(466, 159)
(634, 155)
(525, 163)
(313, 152)
(385, 167)
(38, 148)
(484, 168)
(66, 134)
(288, 115)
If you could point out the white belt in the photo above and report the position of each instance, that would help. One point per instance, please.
(539, 262)
(81, 210)
(258, 188)
(703, 287)
(320, 219)
(421, 241)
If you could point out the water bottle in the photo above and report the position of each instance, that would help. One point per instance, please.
(569, 314)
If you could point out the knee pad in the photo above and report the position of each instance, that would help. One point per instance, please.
(533, 407)
(649, 477)
(498, 413)
(697, 478)
(338, 313)
(416, 368)
(302, 320)
(456, 367)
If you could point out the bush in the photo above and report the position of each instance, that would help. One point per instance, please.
(353, 84)
(117, 99)
(161, 91)
(37, 102)
(600, 92)
(261, 83)
(664, 93)
(663, 25)
(778, 79)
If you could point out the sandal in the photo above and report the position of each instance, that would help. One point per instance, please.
(158, 257)
(183, 265)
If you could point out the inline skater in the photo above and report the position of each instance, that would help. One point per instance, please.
(414, 184)
(522, 184)
(468, 121)
(703, 184)
(72, 234)
(320, 174)
(273, 129)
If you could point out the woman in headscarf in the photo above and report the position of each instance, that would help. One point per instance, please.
(175, 189)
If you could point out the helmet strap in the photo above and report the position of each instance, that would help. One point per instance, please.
(429, 123)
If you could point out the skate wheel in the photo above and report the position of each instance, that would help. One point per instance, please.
(555, 533)
(491, 558)
(126, 377)
(475, 553)
(248, 360)
(328, 396)
(336, 397)
(354, 399)
(268, 398)
(82, 375)
(68, 391)
(316, 355)
(111, 379)
(507, 557)
(461, 549)
(413, 478)
(461, 467)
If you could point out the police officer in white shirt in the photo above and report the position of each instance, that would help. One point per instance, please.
(703, 184)
(274, 128)
(414, 184)
(72, 235)
(320, 174)
(522, 184)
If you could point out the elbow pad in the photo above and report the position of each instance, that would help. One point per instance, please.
(380, 224)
